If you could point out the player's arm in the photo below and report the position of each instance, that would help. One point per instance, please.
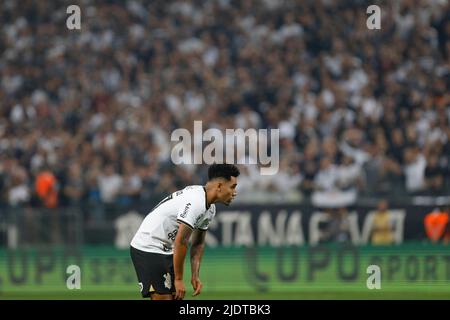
(197, 248)
(180, 248)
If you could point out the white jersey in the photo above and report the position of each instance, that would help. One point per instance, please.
(159, 228)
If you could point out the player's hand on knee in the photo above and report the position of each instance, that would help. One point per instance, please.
(180, 290)
(197, 285)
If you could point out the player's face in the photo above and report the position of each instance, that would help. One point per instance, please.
(228, 190)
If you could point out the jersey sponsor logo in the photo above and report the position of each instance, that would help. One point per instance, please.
(183, 215)
(172, 235)
(167, 281)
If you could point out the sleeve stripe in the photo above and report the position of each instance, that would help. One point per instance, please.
(186, 223)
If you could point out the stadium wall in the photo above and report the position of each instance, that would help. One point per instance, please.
(281, 225)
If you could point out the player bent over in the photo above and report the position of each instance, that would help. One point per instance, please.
(159, 247)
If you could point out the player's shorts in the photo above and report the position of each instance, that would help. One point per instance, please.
(154, 272)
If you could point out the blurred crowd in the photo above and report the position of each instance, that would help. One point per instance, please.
(86, 115)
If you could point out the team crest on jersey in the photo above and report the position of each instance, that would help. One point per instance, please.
(167, 281)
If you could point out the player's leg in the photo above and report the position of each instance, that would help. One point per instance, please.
(142, 264)
(162, 277)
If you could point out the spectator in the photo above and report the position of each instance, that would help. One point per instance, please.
(118, 89)
(47, 189)
(327, 177)
(350, 174)
(132, 184)
(415, 164)
(374, 172)
(110, 184)
(382, 232)
(74, 187)
(19, 194)
(434, 175)
(436, 225)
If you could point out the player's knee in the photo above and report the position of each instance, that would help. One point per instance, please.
(156, 296)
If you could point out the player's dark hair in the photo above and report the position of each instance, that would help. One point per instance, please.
(223, 170)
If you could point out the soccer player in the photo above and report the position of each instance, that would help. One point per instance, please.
(159, 247)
